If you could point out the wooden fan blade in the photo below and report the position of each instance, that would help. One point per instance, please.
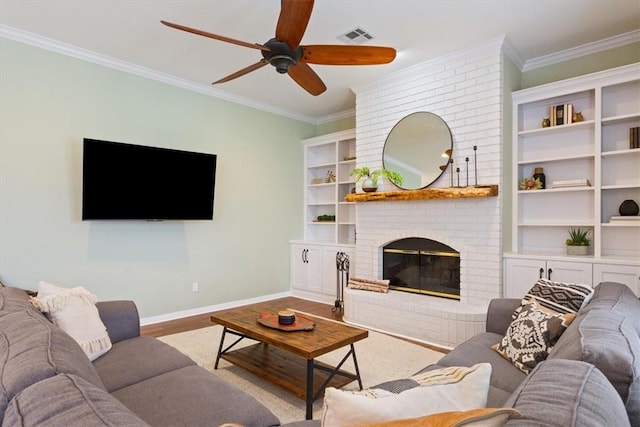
(347, 55)
(293, 20)
(242, 72)
(302, 74)
(215, 36)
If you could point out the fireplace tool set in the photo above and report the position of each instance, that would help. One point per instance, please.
(342, 271)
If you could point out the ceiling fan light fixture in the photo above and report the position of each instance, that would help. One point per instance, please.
(282, 63)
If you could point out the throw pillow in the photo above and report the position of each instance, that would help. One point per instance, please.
(557, 296)
(485, 417)
(74, 311)
(532, 335)
(446, 389)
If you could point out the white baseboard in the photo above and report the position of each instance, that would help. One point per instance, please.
(208, 309)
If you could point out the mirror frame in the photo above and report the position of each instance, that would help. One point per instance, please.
(444, 147)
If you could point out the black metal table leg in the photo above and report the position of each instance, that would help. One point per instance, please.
(224, 332)
(310, 395)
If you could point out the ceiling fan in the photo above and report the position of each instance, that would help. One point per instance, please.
(286, 54)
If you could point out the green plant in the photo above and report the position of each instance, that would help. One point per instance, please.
(578, 237)
(365, 172)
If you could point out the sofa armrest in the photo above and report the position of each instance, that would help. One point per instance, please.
(499, 314)
(121, 319)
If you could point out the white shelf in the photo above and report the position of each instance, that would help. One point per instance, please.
(596, 149)
(555, 159)
(322, 155)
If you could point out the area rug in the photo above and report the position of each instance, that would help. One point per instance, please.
(380, 358)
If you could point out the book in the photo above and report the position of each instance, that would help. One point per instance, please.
(631, 220)
(571, 183)
(559, 114)
(634, 137)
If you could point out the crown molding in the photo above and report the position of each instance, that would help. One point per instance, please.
(116, 64)
(585, 49)
(336, 116)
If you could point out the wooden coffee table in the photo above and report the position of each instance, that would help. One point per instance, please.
(287, 358)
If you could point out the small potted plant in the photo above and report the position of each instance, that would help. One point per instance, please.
(370, 182)
(578, 242)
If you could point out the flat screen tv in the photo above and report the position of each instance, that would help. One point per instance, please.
(134, 182)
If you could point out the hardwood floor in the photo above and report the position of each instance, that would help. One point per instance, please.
(203, 320)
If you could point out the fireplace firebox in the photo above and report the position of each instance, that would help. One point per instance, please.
(422, 266)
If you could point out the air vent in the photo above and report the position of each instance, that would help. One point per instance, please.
(355, 36)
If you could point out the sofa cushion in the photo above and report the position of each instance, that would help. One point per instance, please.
(532, 335)
(567, 393)
(68, 400)
(193, 397)
(505, 377)
(14, 299)
(446, 389)
(137, 359)
(608, 340)
(74, 311)
(32, 349)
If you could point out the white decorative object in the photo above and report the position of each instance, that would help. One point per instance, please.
(74, 311)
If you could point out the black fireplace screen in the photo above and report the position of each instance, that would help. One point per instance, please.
(422, 266)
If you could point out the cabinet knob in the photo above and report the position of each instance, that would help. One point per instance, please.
(541, 272)
(549, 274)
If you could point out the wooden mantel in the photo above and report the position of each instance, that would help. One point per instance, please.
(426, 194)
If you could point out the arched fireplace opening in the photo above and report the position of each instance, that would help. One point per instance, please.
(422, 266)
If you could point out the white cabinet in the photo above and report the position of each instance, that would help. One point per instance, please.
(596, 149)
(314, 273)
(306, 267)
(328, 162)
(520, 274)
(627, 274)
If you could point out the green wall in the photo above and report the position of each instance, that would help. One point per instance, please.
(49, 102)
(612, 58)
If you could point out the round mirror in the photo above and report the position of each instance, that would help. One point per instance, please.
(418, 148)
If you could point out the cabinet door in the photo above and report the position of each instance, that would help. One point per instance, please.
(627, 274)
(298, 266)
(520, 275)
(570, 272)
(314, 267)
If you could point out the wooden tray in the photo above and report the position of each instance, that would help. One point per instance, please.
(302, 323)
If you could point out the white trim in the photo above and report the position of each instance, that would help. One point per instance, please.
(208, 309)
(585, 49)
(116, 64)
(336, 116)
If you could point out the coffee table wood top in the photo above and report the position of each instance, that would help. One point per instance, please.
(327, 335)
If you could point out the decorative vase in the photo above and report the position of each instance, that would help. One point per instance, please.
(577, 250)
(628, 208)
(539, 175)
(368, 186)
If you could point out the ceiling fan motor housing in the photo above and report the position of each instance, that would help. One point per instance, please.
(280, 55)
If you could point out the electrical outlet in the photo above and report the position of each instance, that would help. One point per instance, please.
(194, 286)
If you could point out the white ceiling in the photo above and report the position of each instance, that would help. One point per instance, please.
(130, 32)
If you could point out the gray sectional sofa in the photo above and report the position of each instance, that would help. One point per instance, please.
(47, 380)
(590, 379)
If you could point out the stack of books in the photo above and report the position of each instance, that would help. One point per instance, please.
(561, 114)
(571, 183)
(635, 220)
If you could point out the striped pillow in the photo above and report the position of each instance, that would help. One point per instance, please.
(558, 297)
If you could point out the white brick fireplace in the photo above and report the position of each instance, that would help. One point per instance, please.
(465, 89)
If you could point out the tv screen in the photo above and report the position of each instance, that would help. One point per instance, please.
(125, 181)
